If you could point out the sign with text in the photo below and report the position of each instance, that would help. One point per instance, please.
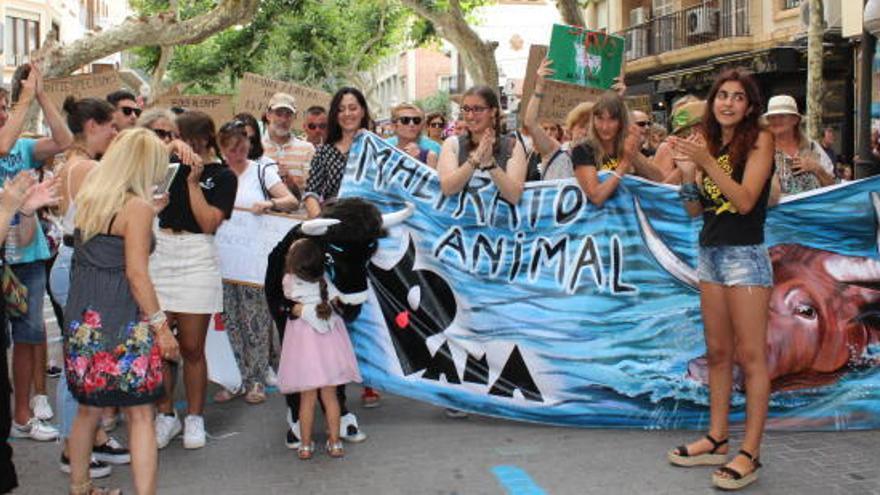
(254, 92)
(97, 85)
(586, 58)
(559, 98)
(245, 241)
(219, 107)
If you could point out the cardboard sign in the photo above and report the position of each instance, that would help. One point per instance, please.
(245, 241)
(254, 93)
(587, 58)
(219, 107)
(97, 85)
(559, 98)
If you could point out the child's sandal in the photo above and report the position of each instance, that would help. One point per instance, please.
(679, 456)
(728, 478)
(335, 449)
(305, 452)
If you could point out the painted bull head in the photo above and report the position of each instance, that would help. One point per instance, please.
(822, 317)
(349, 230)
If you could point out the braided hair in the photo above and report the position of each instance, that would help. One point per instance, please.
(305, 260)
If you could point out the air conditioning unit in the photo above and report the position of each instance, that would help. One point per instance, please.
(638, 16)
(701, 21)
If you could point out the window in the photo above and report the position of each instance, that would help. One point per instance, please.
(22, 37)
(790, 4)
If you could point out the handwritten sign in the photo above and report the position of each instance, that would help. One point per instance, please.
(254, 93)
(584, 57)
(97, 85)
(245, 241)
(219, 107)
(559, 98)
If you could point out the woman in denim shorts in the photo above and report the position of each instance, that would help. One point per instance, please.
(733, 164)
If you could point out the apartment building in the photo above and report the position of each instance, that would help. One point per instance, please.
(409, 76)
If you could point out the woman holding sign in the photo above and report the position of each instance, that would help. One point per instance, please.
(186, 271)
(726, 176)
(247, 320)
(482, 150)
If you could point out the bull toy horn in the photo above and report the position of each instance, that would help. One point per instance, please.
(317, 226)
(676, 267)
(397, 217)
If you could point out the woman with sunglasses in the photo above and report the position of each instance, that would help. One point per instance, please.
(482, 150)
(162, 122)
(186, 272)
(408, 122)
(435, 127)
(246, 314)
(726, 176)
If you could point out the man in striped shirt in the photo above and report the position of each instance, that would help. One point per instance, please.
(292, 154)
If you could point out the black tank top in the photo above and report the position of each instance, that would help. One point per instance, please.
(502, 151)
(722, 224)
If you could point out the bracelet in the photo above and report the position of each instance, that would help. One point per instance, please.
(689, 192)
(538, 95)
(158, 318)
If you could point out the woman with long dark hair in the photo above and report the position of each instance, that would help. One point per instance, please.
(733, 165)
(482, 148)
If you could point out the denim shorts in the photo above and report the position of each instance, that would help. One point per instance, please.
(29, 329)
(736, 265)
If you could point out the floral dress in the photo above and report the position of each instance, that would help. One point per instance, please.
(111, 355)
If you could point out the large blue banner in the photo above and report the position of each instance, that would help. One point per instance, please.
(555, 311)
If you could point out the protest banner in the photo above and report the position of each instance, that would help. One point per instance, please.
(254, 92)
(553, 310)
(559, 98)
(587, 58)
(218, 107)
(97, 85)
(245, 241)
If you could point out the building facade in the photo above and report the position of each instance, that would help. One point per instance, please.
(409, 76)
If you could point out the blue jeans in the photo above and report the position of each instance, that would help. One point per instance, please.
(736, 265)
(59, 282)
(29, 328)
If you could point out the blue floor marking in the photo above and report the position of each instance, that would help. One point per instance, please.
(516, 481)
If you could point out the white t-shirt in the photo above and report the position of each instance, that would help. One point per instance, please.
(249, 190)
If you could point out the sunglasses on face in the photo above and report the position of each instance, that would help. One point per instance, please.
(409, 120)
(436, 125)
(127, 111)
(313, 126)
(163, 134)
(644, 123)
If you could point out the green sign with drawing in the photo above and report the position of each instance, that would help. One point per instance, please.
(584, 57)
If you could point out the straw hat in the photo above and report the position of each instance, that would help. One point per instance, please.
(687, 115)
(782, 105)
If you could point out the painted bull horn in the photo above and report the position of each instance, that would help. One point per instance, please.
(318, 226)
(667, 259)
(397, 217)
(849, 270)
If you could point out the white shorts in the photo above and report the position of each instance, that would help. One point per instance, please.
(185, 271)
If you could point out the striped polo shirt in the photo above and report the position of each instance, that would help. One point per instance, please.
(293, 158)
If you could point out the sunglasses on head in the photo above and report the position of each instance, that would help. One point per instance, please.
(131, 110)
(232, 125)
(163, 134)
(313, 126)
(409, 120)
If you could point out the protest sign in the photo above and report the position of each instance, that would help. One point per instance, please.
(559, 98)
(245, 241)
(254, 92)
(97, 85)
(554, 310)
(587, 58)
(218, 107)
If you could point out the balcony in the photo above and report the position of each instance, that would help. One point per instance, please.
(709, 21)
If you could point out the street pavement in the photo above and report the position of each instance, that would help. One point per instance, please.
(413, 448)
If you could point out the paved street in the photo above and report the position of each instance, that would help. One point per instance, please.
(413, 448)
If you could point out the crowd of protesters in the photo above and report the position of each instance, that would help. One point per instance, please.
(138, 298)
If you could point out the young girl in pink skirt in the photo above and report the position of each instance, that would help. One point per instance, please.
(316, 354)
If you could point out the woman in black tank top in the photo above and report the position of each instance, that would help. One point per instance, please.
(732, 163)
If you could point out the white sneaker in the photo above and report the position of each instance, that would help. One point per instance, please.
(35, 429)
(167, 427)
(349, 430)
(194, 432)
(40, 406)
(271, 378)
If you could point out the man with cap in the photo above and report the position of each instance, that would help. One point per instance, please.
(801, 163)
(292, 154)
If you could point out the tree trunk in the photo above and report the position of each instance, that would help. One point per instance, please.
(161, 29)
(815, 88)
(571, 12)
(478, 56)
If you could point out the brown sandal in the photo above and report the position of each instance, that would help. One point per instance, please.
(335, 449)
(680, 456)
(728, 478)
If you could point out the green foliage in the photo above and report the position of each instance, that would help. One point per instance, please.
(438, 102)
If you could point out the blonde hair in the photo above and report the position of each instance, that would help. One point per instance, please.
(405, 106)
(134, 162)
(578, 114)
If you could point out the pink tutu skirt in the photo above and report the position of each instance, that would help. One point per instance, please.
(311, 360)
